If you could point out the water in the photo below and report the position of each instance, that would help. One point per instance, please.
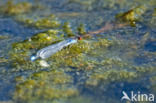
(95, 69)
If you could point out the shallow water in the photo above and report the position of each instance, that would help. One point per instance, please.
(96, 69)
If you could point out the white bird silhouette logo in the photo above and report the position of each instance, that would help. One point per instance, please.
(125, 96)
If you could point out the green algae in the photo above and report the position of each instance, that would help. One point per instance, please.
(153, 79)
(19, 79)
(144, 70)
(67, 29)
(70, 14)
(81, 29)
(102, 72)
(132, 16)
(23, 49)
(75, 55)
(86, 4)
(3, 60)
(56, 85)
(152, 20)
(103, 43)
(72, 53)
(67, 56)
(107, 74)
(14, 9)
(153, 83)
(91, 5)
(2, 37)
(27, 47)
(123, 72)
(44, 86)
(47, 22)
(111, 76)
